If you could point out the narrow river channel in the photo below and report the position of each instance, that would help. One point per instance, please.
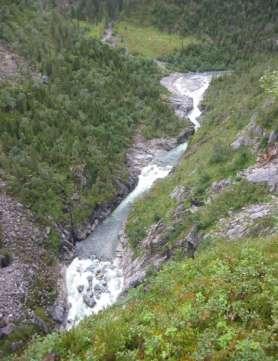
(94, 279)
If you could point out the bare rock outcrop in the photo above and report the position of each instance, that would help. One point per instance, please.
(254, 219)
(264, 173)
(24, 241)
(251, 136)
(136, 266)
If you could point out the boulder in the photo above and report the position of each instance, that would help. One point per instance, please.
(180, 193)
(16, 346)
(58, 313)
(80, 288)
(192, 241)
(267, 173)
(99, 289)
(250, 136)
(7, 330)
(273, 138)
(5, 259)
(185, 134)
(217, 187)
(89, 300)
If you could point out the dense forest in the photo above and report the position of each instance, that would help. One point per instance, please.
(64, 140)
(227, 31)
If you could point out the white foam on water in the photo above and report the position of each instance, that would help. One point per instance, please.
(98, 281)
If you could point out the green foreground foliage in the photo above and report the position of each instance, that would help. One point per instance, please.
(220, 306)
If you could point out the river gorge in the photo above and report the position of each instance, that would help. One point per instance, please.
(95, 278)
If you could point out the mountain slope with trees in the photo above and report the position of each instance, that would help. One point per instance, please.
(64, 139)
(215, 216)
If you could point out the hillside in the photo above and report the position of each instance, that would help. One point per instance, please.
(69, 108)
(217, 34)
(199, 250)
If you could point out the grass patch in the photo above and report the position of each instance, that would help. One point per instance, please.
(148, 41)
(95, 31)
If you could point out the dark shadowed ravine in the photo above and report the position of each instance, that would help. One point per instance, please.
(94, 279)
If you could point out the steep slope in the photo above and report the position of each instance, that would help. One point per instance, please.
(220, 305)
(239, 131)
(215, 217)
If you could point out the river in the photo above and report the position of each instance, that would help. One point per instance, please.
(94, 279)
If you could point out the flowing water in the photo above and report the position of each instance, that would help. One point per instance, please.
(94, 279)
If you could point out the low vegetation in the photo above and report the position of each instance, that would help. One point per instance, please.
(219, 306)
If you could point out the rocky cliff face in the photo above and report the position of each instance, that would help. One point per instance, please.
(28, 280)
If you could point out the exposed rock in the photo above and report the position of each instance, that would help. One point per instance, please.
(40, 324)
(80, 288)
(7, 330)
(89, 300)
(250, 136)
(273, 138)
(5, 260)
(185, 134)
(52, 357)
(90, 283)
(154, 239)
(217, 187)
(266, 173)
(144, 151)
(153, 256)
(23, 240)
(181, 104)
(9, 63)
(16, 346)
(99, 289)
(179, 212)
(45, 79)
(192, 241)
(109, 38)
(3, 322)
(58, 313)
(180, 193)
(242, 223)
(59, 310)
